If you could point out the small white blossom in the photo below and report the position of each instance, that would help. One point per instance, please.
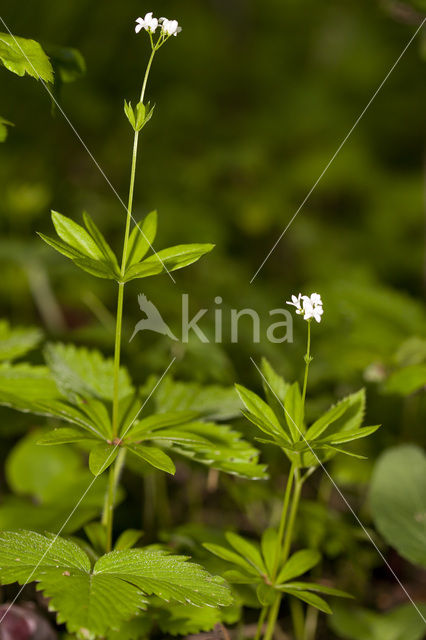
(148, 23)
(309, 306)
(170, 27)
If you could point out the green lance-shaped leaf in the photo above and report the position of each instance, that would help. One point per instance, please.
(275, 388)
(310, 598)
(101, 598)
(154, 457)
(141, 239)
(249, 550)
(293, 409)
(398, 501)
(169, 259)
(298, 564)
(87, 249)
(101, 457)
(21, 55)
(261, 414)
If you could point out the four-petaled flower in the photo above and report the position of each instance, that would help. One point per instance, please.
(170, 27)
(308, 306)
(148, 23)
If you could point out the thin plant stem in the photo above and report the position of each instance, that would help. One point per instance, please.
(286, 502)
(273, 614)
(260, 622)
(115, 470)
(308, 360)
(297, 617)
(113, 480)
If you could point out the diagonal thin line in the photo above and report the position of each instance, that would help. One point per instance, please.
(340, 147)
(81, 498)
(343, 497)
(85, 147)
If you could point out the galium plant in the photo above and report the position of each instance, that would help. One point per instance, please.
(96, 588)
(107, 587)
(270, 566)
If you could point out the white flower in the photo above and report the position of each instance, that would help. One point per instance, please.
(309, 306)
(170, 27)
(148, 23)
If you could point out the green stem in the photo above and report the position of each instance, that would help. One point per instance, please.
(284, 511)
(308, 360)
(260, 623)
(114, 473)
(108, 512)
(273, 614)
(297, 618)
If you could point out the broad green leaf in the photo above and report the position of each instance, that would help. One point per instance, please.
(113, 590)
(248, 549)
(311, 598)
(85, 372)
(21, 56)
(266, 594)
(141, 239)
(398, 501)
(101, 243)
(407, 380)
(298, 564)
(402, 623)
(293, 410)
(154, 457)
(101, 457)
(231, 556)
(213, 402)
(16, 341)
(168, 259)
(3, 128)
(166, 576)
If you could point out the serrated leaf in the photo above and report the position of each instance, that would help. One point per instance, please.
(141, 239)
(168, 259)
(101, 457)
(113, 591)
(85, 372)
(183, 619)
(16, 341)
(154, 457)
(21, 55)
(146, 426)
(298, 564)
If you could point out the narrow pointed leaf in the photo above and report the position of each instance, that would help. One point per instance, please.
(293, 410)
(154, 457)
(248, 549)
(231, 556)
(141, 239)
(298, 564)
(64, 435)
(318, 588)
(101, 457)
(311, 598)
(101, 243)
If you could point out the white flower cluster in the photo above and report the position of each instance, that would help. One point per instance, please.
(308, 306)
(149, 23)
